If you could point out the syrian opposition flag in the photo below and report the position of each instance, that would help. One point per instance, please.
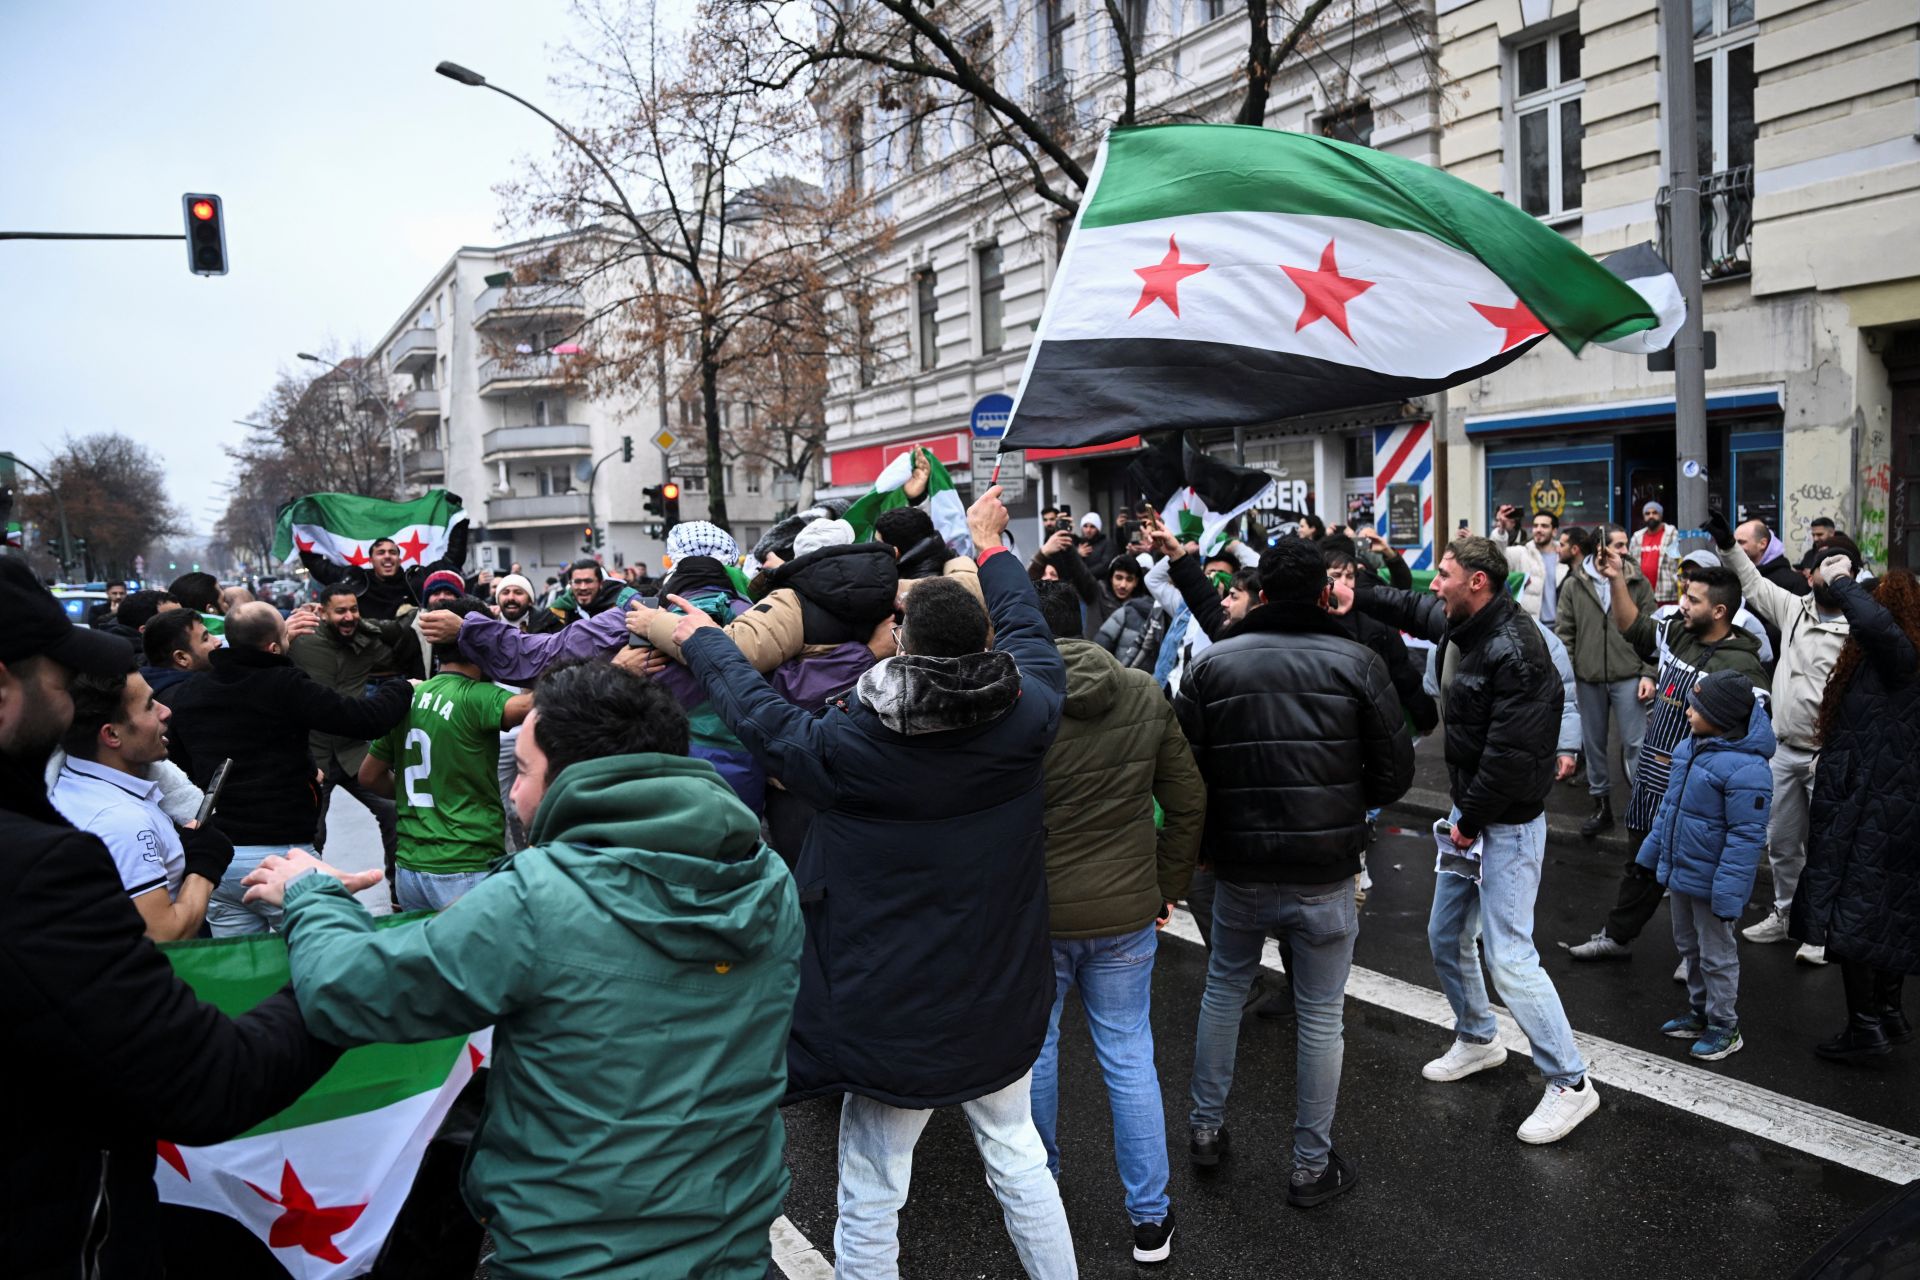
(1648, 274)
(1229, 275)
(943, 501)
(1197, 494)
(322, 1182)
(341, 526)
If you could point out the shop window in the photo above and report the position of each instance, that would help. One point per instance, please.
(1575, 484)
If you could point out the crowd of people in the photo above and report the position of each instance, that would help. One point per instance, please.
(845, 816)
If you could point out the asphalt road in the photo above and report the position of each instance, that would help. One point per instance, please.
(1644, 1188)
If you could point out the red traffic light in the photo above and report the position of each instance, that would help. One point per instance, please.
(669, 491)
(203, 210)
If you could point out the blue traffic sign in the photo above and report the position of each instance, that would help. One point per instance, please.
(990, 416)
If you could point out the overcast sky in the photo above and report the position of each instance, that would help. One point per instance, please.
(350, 173)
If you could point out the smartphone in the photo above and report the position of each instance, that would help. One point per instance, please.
(212, 798)
(1463, 524)
(1066, 509)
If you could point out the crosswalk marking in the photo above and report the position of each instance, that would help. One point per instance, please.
(1776, 1117)
(795, 1255)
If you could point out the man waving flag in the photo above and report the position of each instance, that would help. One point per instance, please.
(1225, 275)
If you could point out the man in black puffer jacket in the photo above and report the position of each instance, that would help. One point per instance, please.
(1502, 713)
(257, 709)
(1297, 733)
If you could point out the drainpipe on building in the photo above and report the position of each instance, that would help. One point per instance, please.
(1683, 250)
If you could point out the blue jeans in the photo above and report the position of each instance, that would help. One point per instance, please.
(423, 891)
(227, 917)
(1499, 910)
(1115, 977)
(1321, 929)
(876, 1164)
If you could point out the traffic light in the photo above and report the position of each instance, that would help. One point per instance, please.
(206, 234)
(669, 507)
(599, 538)
(652, 495)
(586, 539)
(626, 448)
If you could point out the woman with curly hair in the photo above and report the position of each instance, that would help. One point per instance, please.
(1860, 894)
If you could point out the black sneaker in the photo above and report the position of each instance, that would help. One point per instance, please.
(1208, 1145)
(1153, 1241)
(1602, 819)
(1308, 1188)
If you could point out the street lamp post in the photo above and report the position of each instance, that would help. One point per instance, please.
(386, 418)
(60, 508)
(463, 75)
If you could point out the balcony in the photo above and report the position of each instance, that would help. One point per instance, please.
(510, 374)
(1050, 101)
(423, 466)
(529, 441)
(413, 350)
(517, 305)
(1726, 223)
(415, 408)
(552, 509)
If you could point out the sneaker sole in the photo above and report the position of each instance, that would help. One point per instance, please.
(1487, 1063)
(1320, 1197)
(1623, 954)
(1161, 1254)
(1763, 942)
(1566, 1128)
(1684, 1034)
(1207, 1161)
(1809, 960)
(1727, 1052)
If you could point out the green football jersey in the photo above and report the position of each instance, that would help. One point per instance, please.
(446, 786)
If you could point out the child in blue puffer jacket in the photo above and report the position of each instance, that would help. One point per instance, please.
(1706, 845)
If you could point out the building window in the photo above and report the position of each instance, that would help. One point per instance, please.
(926, 304)
(1213, 10)
(856, 159)
(979, 46)
(993, 285)
(1134, 13)
(1723, 81)
(863, 339)
(1062, 232)
(753, 481)
(1546, 112)
(1350, 122)
(1059, 17)
(694, 478)
(726, 476)
(686, 415)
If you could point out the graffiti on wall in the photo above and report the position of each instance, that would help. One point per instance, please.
(1875, 482)
(1805, 505)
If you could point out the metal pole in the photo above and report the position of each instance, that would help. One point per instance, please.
(81, 235)
(1683, 255)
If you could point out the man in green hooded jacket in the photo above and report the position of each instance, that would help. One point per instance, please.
(638, 965)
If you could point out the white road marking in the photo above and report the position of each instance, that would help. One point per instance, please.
(795, 1255)
(1816, 1131)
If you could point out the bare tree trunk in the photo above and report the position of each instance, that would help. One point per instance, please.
(710, 407)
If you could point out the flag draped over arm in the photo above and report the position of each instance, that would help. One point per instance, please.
(889, 491)
(1227, 275)
(322, 1182)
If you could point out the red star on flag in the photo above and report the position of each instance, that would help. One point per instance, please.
(413, 546)
(478, 1057)
(359, 559)
(305, 1223)
(304, 544)
(1519, 322)
(1327, 292)
(1161, 282)
(170, 1152)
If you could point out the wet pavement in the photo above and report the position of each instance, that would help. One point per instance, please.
(1641, 1189)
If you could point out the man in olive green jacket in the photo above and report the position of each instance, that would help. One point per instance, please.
(1111, 881)
(1609, 675)
(638, 965)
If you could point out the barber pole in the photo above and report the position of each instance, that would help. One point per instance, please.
(1404, 455)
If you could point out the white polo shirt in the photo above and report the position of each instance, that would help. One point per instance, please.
(124, 811)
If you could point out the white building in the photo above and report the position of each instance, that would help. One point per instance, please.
(483, 405)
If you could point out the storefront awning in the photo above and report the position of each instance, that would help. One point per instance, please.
(1613, 412)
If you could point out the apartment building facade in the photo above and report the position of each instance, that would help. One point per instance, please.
(1806, 126)
(485, 401)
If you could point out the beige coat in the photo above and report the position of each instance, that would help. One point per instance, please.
(1809, 646)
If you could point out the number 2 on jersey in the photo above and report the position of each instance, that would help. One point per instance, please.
(415, 777)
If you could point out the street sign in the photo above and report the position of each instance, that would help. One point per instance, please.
(1013, 474)
(989, 418)
(664, 440)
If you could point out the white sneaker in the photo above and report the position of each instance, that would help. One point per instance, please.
(1560, 1112)
(1463, 1059)
(1772, 929)
(1810, 954)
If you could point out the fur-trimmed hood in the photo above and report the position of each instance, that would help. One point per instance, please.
(913, 695)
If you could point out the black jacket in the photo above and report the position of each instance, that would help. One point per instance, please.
(1502, 710)
(928, 974)
(925, 559)
(1409, 681)
(1860, 893)
(257, 709)
(844, 591)
(1298, 733)
(108, 1052)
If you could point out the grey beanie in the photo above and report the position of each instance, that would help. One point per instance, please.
(1725, 698)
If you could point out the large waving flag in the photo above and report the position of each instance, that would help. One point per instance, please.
(1227, 275)
(341, 526)
(1197, 494)
(322, 1182)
